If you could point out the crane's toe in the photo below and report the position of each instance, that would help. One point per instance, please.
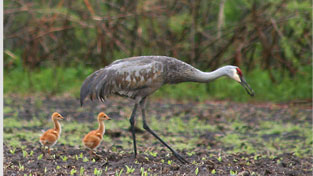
(180, 158)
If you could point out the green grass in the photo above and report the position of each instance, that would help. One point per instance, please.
(267, 136)
(50, 81)
(55, 81)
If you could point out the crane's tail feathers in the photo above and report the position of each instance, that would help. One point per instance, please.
(98, 85)
(85, 90)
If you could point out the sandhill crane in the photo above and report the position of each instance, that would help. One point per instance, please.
(93, 139)
(138, 77)
(50, 137)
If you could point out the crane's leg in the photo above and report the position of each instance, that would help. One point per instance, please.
(132, 123)
(146, 127)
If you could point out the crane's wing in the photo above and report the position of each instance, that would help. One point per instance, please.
(124, 77)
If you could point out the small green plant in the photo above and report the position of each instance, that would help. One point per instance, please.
(154, 154)
(81, 155)
(219, 159)
(97, 172)
(278, 161)
(73, 171)
(169, 162)
(233, 172)
(213, 171)
(64, 158)
(255, 157)
(40, 157)
(25, 154)
(12, 151)
(58, 167)
(143, 172)
(20, 167)
(197, 171)
(31, 153)
(85, 159)
(76, 157)
(93, 160)
(81, 171)
(106, 168)
(119, 173)
(190, 153)
(45, 170)
(129, 170)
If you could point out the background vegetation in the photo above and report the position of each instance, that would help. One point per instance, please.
(51, 46)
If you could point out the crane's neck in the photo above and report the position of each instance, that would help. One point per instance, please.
(101, 128)
(205, 77)
(57, 125)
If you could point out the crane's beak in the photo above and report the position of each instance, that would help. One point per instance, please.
(246, 86)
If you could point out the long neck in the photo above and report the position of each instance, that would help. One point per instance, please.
(205, 77)
(101, 128)
(57, 125)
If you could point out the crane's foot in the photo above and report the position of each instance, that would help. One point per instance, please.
(180, 158)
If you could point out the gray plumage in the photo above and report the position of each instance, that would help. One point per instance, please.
(136, 77)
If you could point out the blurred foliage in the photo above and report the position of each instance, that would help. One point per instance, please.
(58, 40)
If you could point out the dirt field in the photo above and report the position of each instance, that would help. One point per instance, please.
(216, 137)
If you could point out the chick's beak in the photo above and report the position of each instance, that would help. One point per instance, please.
(246, 86)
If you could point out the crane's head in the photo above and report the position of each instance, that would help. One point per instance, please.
(236, 74)
(57, 116)
(102, 116)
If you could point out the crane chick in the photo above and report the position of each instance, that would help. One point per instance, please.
(50, 137)
(93, 139)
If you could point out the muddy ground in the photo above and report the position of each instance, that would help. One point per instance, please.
(202, 132)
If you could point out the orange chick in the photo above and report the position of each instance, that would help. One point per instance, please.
(93, 139)
(50, 137)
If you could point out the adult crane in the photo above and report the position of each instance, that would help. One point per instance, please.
(138, 77)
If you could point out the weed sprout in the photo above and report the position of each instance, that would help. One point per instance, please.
(197, 171)
(25, 153)
(85, 159)
(129, 170)
(20, 166)
(73, 171)
(64, 158)
(81, 171)
(39, 157)
(213, 171)
(97, 172)
(119, 174)
(12, 151)
(233, 172)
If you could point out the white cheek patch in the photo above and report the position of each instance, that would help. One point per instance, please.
(236, 77)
